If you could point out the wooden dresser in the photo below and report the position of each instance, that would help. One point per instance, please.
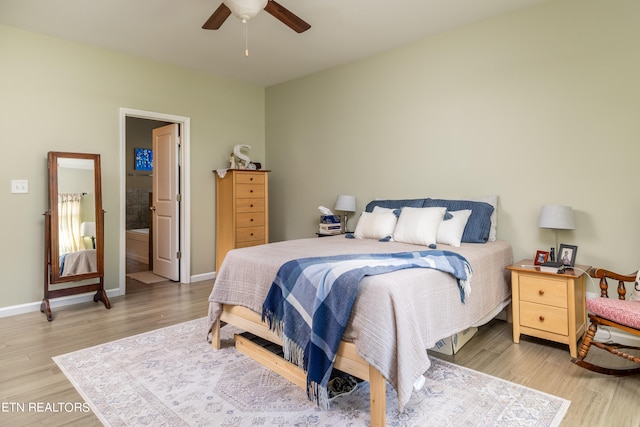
(242, 215)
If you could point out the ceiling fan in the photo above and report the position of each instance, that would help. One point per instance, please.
(247, 9)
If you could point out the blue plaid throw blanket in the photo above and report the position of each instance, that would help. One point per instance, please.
(310, 301)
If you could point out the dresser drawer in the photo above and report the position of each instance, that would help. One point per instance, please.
(250, 178)
(254, 191)
(544, 317)
(250, 219)
(248, 234)
(543, 291)
(249, 205)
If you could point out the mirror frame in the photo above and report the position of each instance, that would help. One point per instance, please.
(54, 239)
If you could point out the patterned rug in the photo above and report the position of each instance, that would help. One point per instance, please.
(172, 377)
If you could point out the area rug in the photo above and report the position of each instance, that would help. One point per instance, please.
(147, 277)
(172, 377)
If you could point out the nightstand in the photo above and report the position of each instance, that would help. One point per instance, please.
(548, 305)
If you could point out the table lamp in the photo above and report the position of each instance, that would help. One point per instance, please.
(345, 203)
(556, 217)
(88, 229)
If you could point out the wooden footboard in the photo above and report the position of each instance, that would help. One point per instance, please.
(347, 360)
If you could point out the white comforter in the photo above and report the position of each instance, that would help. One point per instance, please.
(396, 316)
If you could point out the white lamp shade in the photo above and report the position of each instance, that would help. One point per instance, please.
(245, 9)
(346, 203)
(88, 229)
(557, 217)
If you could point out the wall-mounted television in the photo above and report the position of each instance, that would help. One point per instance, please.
(144, 159)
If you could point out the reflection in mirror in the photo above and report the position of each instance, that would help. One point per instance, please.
(76, 216)
(74, 227)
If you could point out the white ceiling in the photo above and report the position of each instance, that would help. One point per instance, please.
(170, 30)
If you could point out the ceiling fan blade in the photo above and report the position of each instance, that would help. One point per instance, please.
(217, 19)
(286, 17)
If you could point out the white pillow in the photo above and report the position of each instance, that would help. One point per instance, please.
(380, 209)
(375, 225)
(418, 226)
(493, 201)
(450, 230)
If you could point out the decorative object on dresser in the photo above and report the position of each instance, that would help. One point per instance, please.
(556, 217)
(241, 211)
(74, 212)
(347, 204)
(242, 160)
(622, 313)
(548, 305)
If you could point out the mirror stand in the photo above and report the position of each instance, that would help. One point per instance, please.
(74, 229)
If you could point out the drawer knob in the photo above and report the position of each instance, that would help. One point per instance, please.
(252, 234)
(251, 179)
(251, 205)
(250, 191)
(540, 292)
(251, 220)
(542, 318)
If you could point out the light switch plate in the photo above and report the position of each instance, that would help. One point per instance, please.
(19, 185)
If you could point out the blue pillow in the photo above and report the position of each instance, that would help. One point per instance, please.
(479, 224)
(394, 204)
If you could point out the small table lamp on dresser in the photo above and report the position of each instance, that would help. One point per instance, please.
(557, 218)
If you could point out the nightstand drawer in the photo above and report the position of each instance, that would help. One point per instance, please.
(543, 291)
(250, 219)
(544, 317)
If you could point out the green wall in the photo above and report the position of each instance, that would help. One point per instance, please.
(538, 106)
(61, 96)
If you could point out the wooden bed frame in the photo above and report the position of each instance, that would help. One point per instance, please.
(347, 360)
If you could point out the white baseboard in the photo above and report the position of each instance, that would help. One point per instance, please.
(203, 277)
(606, 334)
(54, 303)
(77, 299)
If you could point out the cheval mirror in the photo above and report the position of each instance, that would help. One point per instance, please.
(74, 229)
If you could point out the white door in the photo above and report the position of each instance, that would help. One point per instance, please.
(166, 202)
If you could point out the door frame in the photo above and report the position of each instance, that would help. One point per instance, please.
(185, 190)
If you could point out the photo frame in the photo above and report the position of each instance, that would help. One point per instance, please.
(541, 257)
(567, 255)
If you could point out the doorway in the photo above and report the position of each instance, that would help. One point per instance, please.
(136, 195)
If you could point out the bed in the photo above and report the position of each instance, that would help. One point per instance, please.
(80, 262)
(396, 316)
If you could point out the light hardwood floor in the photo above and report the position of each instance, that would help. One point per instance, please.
(28, 341)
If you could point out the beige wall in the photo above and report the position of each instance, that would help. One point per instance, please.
(540, 106)
(57, 95)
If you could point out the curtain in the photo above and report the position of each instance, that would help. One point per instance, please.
(69, 222)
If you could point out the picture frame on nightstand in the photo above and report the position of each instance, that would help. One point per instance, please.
(541, 256)
(567, 255)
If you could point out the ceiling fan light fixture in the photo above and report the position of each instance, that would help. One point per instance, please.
(245, 9)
